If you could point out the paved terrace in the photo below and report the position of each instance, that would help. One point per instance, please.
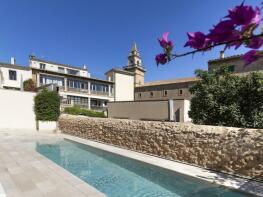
(25, 172)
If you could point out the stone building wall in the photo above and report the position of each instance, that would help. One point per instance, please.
(233, 150)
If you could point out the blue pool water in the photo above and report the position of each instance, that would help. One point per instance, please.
(118, 176)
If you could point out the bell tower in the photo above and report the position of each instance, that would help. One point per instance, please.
(135, 66)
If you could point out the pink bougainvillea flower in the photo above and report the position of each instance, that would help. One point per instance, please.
(164, 42)
(235, 36)
(255, 43)
(161, 59)
(244, 15)
(250, 56)
(197, 40)
(223, 31)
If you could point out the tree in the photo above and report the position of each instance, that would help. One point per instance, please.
(47, 105)
(29, 85)
(221, 98)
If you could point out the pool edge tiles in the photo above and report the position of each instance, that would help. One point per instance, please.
(229, 181)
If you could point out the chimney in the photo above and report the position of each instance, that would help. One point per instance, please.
(13, 61)
(84, 67)
(222, 54)
(32, 57)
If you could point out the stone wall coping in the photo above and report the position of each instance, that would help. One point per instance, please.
(184, 126)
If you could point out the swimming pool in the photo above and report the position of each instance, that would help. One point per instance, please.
(118, 176)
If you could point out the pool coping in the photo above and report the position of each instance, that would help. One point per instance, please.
(230, 181)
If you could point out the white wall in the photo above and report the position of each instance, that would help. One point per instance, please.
(124, 87)
(186, 110)
(16, 110)
(21, 76)
(54, 67)
(47, 126)
(150, 110)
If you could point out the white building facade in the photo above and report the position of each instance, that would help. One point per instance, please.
(12, 76)
(75, 85)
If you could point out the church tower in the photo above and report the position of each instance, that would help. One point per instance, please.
(135, 65)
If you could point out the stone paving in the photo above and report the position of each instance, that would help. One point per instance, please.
(25, 172)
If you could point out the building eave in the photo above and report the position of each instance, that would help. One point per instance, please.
(233, 57)
(55, 63)
(135, 67)
(168, 82)
(14, 66)
(116, 70)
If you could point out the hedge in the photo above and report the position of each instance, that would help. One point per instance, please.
(84, 112)
(47, 106)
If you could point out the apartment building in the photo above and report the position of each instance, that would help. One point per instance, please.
(235, 64)
(75, 84)
(12, 75)
(165, 89)
(179, 88)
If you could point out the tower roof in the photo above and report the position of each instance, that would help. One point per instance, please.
(134, 60)
(134, 50)
(134, 46)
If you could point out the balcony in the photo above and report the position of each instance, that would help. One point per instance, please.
(101, 93)
(86, 91)
(65, 102)
(77, 90)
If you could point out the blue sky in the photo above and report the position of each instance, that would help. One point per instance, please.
(99, 33)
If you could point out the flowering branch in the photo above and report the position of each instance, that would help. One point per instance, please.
(215, 45)
(234, 30)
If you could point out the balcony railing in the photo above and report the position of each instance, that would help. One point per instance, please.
(62, 88)
(77, 90)
(99, 93)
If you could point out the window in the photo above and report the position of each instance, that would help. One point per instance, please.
(99, 87)
(61, 70)
(81, 101)
(12, 75)
(231, 68)
(82, 85)
(42, 66)
(180, 92)
(73, 72)
(75, 84)
(46, 79)
(165, 93)
(151, 94)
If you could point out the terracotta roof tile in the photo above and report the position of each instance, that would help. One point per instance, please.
(164, 82)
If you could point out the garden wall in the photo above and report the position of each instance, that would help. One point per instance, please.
(233, 150)
(17, 110)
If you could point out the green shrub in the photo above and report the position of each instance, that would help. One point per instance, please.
(47, 106)
(221, 98)
(29, 85)
(84, 112)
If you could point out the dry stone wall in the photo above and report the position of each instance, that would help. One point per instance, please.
(234, 150)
